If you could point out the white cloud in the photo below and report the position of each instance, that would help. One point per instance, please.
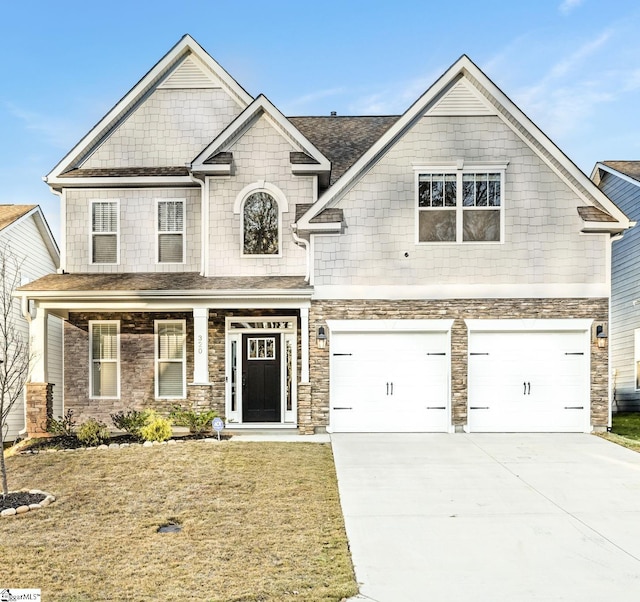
(568, 5)
(60, 133)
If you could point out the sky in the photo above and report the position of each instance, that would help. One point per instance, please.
(573, 66)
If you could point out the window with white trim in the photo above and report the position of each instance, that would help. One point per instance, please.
(260, 225)
(170, 226)
(460, 206)
(170, 359)
(104, 231)
(104, 350)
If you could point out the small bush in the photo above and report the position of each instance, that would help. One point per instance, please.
(64, 425)
(93, 432)
(198, 422)
(156, 428)
(130, 421)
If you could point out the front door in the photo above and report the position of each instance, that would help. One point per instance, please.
(261, 378)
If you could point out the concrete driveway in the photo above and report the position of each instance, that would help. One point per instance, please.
(437, 517)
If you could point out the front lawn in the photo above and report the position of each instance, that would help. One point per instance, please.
(625, 430)
(260, 521)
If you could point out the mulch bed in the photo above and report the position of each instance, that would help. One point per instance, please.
(71, 442)
(19, 498)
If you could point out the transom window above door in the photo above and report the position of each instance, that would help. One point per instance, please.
(460, 205)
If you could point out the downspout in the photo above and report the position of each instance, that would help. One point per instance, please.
(204, 220)
(26, 314)
(305, 243)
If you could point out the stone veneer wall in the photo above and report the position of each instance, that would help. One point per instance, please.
(39, 408)
(137, 370)
(458, 310)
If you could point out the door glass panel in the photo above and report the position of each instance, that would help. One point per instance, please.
(262, 348)
(234, 375)
(289, 376)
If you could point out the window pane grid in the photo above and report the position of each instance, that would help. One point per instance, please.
(104, 232)
(462, 207)
(260, 225)
(104, 359)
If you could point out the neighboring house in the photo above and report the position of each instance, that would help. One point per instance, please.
(620, 181)
(26, 238)
(442, 270)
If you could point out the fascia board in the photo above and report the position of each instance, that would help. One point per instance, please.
(323, 227)
(614, 172)
(418, 108)
(43, 229)
(185, 45)
(212, 170)
(603, 228)
(164, 294)
(60, 183)
(264, 105)
(462, 65)
(547, 144)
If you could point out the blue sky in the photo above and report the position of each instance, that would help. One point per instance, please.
(573, 66)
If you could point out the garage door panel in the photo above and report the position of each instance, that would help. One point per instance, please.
(528, 381)
(396, 382)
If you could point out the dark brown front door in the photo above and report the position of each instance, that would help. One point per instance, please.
(261, 378)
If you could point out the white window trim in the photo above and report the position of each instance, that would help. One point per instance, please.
(183, 232)
(238, 209)
(156, 361)
(459, 169)
(117, 232)
(91, 359)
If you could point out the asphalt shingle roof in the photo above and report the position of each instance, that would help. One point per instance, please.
(164, 281)
(124, 172)
(343, 140)
(593, 214)
(628, 168)
(10, 213)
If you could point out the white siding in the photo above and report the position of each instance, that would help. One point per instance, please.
(169, 128)
(260, 154)
(625, 277)
(26, 243)
(542, 245)
(138, 217)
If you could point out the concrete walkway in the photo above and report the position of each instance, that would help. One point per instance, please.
(493, 518)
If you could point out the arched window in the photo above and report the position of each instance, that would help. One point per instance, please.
(260, 225)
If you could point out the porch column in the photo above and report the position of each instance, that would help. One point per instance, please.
(39, 393)
(38, 346)
(200, 346)
(304, 345)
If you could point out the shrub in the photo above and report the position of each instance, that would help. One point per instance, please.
(156, 428)
(93, 432)
(130, 421)
(198, 422)
(64, 425)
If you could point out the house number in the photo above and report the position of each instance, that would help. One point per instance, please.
(200, 344)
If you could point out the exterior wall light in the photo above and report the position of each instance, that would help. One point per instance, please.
(321, 337)
(601, 336)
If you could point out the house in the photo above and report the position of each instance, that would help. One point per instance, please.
(442, 270)
(28, 246)
(620, 181)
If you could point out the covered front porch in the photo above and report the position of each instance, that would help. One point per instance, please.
(237, 345)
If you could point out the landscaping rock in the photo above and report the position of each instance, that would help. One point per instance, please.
(147, 444)
(8, 512)
(22, 509)
(35, 506)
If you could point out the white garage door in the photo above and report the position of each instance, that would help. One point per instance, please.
(389, 381)
(528, 381)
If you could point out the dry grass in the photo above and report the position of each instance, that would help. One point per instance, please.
(261, 521)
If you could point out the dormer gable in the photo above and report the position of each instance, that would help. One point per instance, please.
(217, 157)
